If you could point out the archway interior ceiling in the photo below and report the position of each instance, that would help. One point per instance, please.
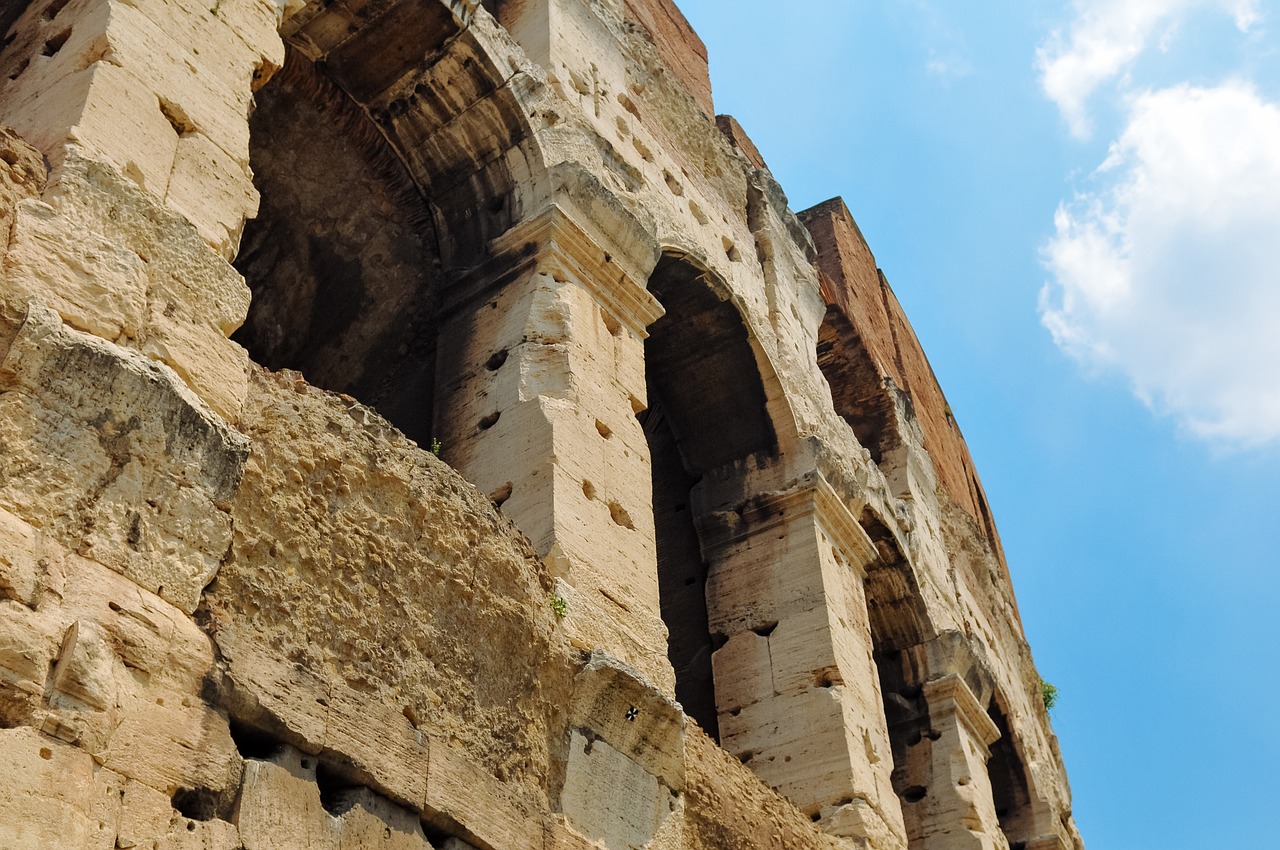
(342, 257)
(700, 364)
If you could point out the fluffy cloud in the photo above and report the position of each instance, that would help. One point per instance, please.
(1105, 38)
(1169, 270)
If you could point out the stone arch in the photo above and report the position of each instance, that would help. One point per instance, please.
(858, 392)
(1010, 788)
(387, 152)
(899, 626)
(707, 412)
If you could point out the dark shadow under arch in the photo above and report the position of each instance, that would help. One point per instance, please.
(706, 411)
(341, 260)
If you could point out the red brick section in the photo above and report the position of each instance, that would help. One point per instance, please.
(854, 286)
(739, 139)
(678, 45)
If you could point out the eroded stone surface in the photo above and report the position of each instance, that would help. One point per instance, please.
(239, 611)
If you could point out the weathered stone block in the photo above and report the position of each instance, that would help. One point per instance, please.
(131, 464)
(93, 284)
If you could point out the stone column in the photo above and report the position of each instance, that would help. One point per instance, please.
(141, 108)
(540, 375)
(796, 685)
(947, 795)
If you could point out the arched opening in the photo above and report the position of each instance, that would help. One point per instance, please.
(342, 258)
(898, 630)
(1009, 788)
(383, 152)
(857, 389)
(706, 411)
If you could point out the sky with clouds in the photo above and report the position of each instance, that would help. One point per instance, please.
(1078, 203)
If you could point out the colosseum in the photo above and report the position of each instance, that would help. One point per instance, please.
(424, 424)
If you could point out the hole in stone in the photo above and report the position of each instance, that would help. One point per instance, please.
(815, 816)
(766, 629)
(697, 213)
(746, 757)
(495, 362)
(436, 836)
(914, 793)
(55, 44)
(620, 516)
(22, 66)
(51, 11)
(718, 639)
(306, 764)
(253, 743)
(46, 753)
(336, 792)
(603, 429)
(489, 421)
(672, 183)
(501, 495)
(588, 489)
(730, 250)
(196, 804)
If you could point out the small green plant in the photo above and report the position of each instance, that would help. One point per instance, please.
(435, 447)
(559, 606)
(1049, 693)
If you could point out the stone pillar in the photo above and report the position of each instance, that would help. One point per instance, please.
(141, 108)
(159, 90)
(796, 685)
(947, 795)
(540, 375)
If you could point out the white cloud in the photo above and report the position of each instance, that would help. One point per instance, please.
(944, 43)
(1169, 271)
(1105, 39)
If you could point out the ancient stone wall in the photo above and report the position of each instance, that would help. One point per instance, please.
(594, 498)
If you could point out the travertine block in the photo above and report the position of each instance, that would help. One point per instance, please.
(169, 740)
(743, 671)
(109, 423)
(186, 834)
(54, 795)
(629, 813)
(796, 743)
(85, 671)
(462, 796)
(380, 743)
(21, 550)
(118, 97)
(279, 806)
(93, 284)
(213, 191)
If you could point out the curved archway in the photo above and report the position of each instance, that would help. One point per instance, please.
(382, 152)
(707, 410)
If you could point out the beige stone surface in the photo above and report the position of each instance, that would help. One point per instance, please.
(132, 468)
(238, 611)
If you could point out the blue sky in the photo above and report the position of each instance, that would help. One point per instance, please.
(1079, 206)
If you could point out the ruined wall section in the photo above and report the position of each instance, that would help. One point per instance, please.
(930, 468)
(562, 159)
(858, 291)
